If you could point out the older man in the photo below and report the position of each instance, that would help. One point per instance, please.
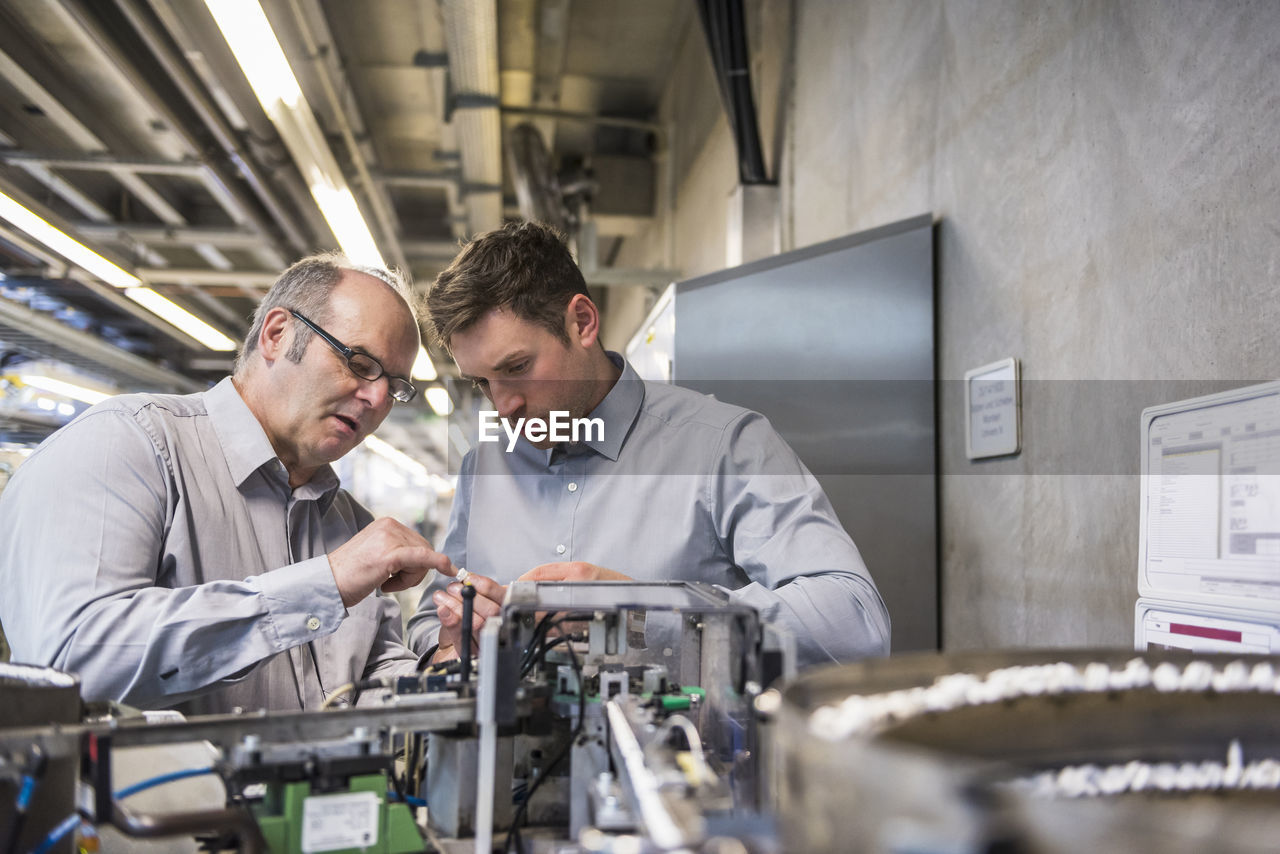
(675, 486)
(197, 549)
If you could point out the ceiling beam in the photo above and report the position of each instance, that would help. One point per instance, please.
(166, 235)
(106, 163)
(174, 275)
(56, 340)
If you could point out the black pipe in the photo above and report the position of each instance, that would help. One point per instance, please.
(168, 56)
(723, 23)
(237, 820)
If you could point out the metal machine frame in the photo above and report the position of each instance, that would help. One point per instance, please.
(648, 689)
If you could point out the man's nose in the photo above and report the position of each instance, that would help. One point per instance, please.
(506, 399)
(375, 393)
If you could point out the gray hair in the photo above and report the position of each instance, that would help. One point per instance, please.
(306, 287)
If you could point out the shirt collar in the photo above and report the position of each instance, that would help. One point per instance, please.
(247, 448)
(618, 411)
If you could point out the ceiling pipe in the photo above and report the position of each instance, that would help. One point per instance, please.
(587, 118)
(724, 24)
(378, 201)
(175, 66)
(471, 38)
(538, 189)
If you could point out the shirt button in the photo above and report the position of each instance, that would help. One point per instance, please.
(573, 487)
(313, 623)
(560, 549)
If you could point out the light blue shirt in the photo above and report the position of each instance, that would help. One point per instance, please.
(153, 547)
(680, 487)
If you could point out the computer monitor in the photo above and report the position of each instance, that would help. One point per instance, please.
(1210, 513)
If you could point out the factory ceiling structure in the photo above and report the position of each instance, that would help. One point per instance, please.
(162, 160)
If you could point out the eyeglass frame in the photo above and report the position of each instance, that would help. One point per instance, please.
(348, 354)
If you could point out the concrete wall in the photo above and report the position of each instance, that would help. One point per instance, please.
(1105, 177)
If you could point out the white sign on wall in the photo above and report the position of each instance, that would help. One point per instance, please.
(993, 408)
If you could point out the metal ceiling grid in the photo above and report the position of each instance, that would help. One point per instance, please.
(39, 336)
(132, 124)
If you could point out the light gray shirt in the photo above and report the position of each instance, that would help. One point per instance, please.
(679, 487)
(153, 547)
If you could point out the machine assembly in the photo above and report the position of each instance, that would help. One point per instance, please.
(618, 717)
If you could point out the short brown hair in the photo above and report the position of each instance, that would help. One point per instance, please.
(524, 267)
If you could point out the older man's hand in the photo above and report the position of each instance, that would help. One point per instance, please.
(448, 602)
(385, 554)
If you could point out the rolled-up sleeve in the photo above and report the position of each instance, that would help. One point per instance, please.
(778, 526)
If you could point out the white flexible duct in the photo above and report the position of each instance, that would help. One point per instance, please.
(471, 36)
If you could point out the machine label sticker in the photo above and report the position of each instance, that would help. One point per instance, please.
(334, 822)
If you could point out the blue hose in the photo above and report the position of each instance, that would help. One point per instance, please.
(71, 821)
(55, 835)
(408, 799)
(161, 779)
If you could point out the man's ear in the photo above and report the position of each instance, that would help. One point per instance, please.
(582, 320)
(276, 335)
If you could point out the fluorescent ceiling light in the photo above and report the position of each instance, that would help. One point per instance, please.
(74, 251)
(180, 318)
(249, 35)
(423, 368)
(248, 32)
(438, 400)
(346, 223)
(85, 258)
(394, 454)
(63, 388)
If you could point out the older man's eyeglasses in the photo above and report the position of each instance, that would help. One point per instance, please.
(362, 364)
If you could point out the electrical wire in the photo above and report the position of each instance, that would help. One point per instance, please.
(537, 644)
(694, 740)
(34, 767)
(162, 779)
(23, 802)
(332, 699)
(72, 821)
(513, 835)
(539, 632)
(356, 687)
(407, 799)
(55, 836)
(547, 647)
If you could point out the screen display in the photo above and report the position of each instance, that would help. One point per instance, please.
(1212, 499)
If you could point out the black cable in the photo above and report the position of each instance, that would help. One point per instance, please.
(19, 818)
(539, 631)
(315, 665)
(514, 833)
(413, 761)
(537, 644)
(399, 790)
(29, 782)
(547, 647)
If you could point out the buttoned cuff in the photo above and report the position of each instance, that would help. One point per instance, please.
(302, 600)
